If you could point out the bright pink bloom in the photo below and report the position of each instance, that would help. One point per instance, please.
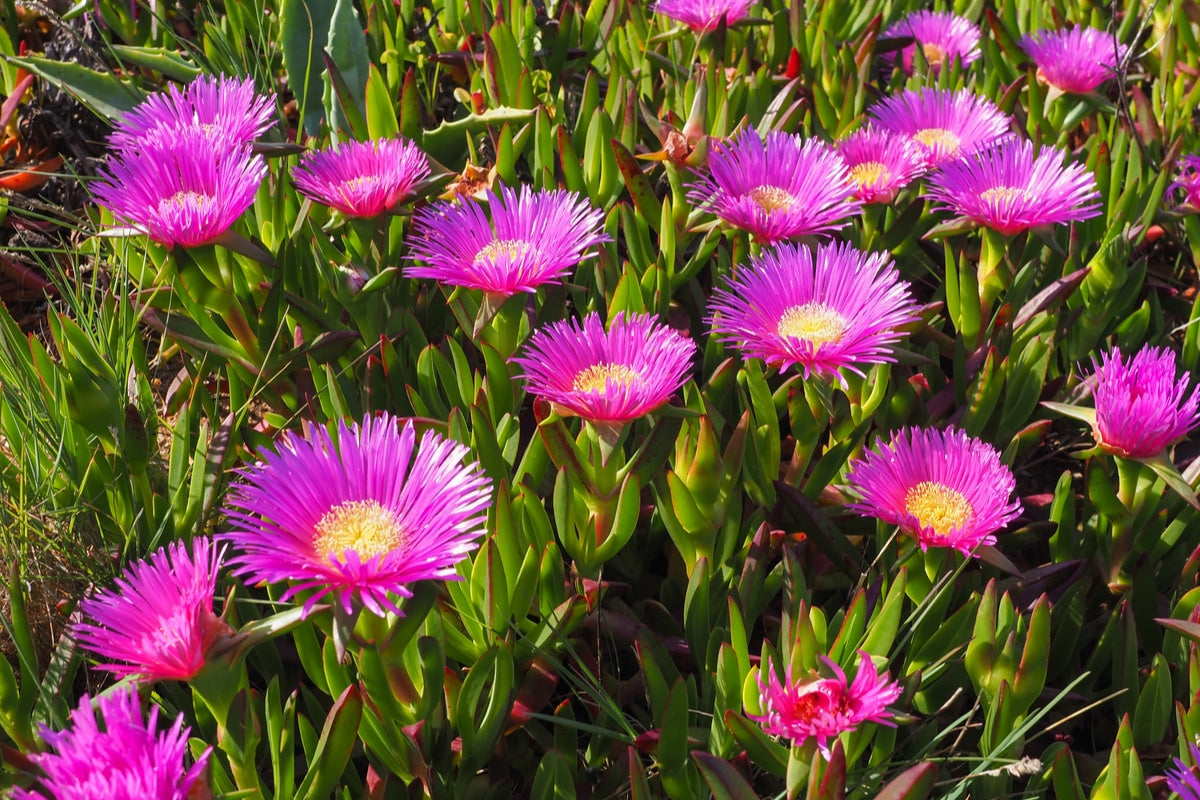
(360, 515)
(943, 488)
(362, 179)
(824, 708)
(703, 15)
(1182, 779)
(946, 125)
(129, 759)
(880, 163)
(533, 238)
(159, 622)
(1189, 181)
(607, 376)
(777, 189)
(942, 37)
(1075, 60)
(839, 309)
(1008, 189)
(1142, 405)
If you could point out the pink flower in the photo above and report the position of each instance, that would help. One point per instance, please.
(703, 15)
(942, 37)
(159, 622)
(824, 708)
(1182, 779)
(360, 515)
(611, 376)
(880, 163)
(943, 488)
(946, 125)
(362, 179)
(777, 189)
(1075, 60)
(1142, 405)
(1189, 181)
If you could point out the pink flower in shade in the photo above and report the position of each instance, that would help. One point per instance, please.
(180, 192)
(224, 112)
(362, 179)
(532, 238)
(116, 755)
(1182, 779)
(942, 37)
(777, 189)
(703, 15)
(839, 309)
(880, 163)
(611, 376)
(1074, 60)
(946, 125)
(1189, 181)
(1008, 189)
(159, 623)
(1142, 405)
(823, 708)
(359, 516)
(943, 488)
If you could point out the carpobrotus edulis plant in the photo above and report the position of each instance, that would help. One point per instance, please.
(362, 179)
(1074, 60)
(946, 125)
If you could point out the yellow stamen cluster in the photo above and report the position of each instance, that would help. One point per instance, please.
(596, 377)
(933, 137)
(870, 173)
(364, 526)
(491, 252)
(937, 506)
(815, 323)
(771, 198)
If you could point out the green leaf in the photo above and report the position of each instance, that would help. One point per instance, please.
(102, 92)
(338, 738)
(723, 778)
(304, 27)
(914, 783)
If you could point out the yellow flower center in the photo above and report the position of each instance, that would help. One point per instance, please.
(596, 377)
(1002, 194)
(869, 173)
(938, 506)
(815, 323)
(934, 137)
(181, 200)
(362, 183)
(771, 198)
(363, 526)
(934, 54)
(491, 252)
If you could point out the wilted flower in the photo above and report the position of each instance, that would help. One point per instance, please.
(946, 125)
(362, 179)
(703, 15)
(880, 163)
(1189, 181)
(159, 623)
(129, 758)
(838, 310)
(607, 376)
(1008, 189)
(1142, 405)
(1182, 779)
(823, 708)
(777, 189)
(359, 516)
(943, 488)
(942, 37)
(1075, 60)
(533, 238)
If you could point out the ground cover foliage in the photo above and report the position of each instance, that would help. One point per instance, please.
(698, 590)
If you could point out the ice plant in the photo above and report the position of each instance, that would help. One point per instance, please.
(778, 188)
(838, 309)
(1189, 181)
(1009, 189)
(703, 15)
(159, 623)
(943, 488)
(115, 754)
(226, 112)
(182, 192)
(359, 516)
(1142, 405)
(946, 125)
(880, 163)
(611, 376)
(823, 708)
(532, 238)
(1182, 779)
(362, 179)
(941, 35)
(1074, 60)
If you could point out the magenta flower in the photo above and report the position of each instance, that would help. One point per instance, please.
(777, 189)
(159, 623)
(607, 376)
(1182, 779)
(946, 125)
(225, 112)
(942, 37)
(1142, 406)
(362, 179)
(533, 238)
(703, 15)
(1075, 60)
(880, 163)
(1189, 181)
(359, 515)
(182, 192)
(823, 708)
(943, 488)
(1008, 189)
(841, 309)
(128, 759)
